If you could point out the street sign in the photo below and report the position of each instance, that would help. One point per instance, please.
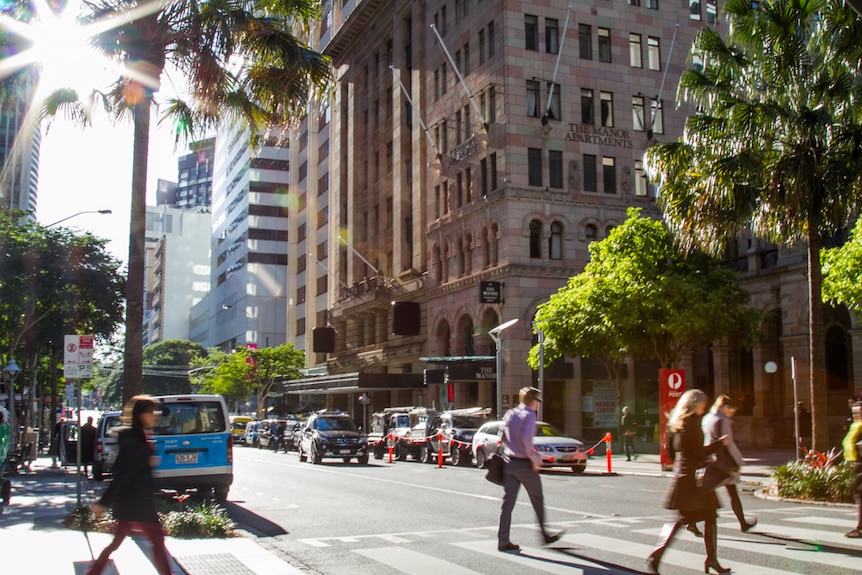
(671, 386)
(78, 356)
(490, 292)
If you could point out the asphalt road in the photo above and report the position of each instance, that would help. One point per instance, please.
(415, 518)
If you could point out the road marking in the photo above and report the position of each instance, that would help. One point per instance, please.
(671, 557)
(408, 561)
(314, 542)
(799, 534)
(825, 521)
(544, 560)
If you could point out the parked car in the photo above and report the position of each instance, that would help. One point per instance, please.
(251, 431)
(556, 448)
(332, 435)
(238, 424)
(267, 433)
(107, 447)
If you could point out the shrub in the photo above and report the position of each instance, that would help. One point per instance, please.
(801, 480)
(204, 520)
(83, 519)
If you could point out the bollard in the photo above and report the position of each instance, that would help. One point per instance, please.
(390, 448)
(440, 449)
(608, 450)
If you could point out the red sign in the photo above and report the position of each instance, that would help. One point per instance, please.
(671, 386)
(86, 341)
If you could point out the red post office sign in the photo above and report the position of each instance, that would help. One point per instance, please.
(671, 386)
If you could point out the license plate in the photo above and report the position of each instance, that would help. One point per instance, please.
(344, 451)
(186, 458)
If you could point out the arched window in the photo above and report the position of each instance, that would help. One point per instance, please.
(837, 364)
(555, 242)
(536, 239)
(608, 230)
(590, 233)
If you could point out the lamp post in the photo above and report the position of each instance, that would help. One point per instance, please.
(11, 372)
(78, 214)
(498, 343)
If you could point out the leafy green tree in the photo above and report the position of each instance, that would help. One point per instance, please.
(166, 366)
(242, 60)
(640, 295)
(775, 145)
(244, 372)
(842, 268)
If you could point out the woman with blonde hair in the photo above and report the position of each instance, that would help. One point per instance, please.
(685, 442)
(717, 423)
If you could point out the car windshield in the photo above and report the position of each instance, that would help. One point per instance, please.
(548, 430)
(190, 417)
(402, 420)
(239, 425)
(334, 424)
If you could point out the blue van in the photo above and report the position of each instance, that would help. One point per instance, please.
(194, 444)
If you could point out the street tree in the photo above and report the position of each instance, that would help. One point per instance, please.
(244, 61)
(640, 295)
(842, 268)
(166, 366)
(243, 372)
(774, 146)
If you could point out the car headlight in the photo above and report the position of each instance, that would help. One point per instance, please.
(544, 448)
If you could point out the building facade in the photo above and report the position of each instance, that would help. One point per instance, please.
(20, 140)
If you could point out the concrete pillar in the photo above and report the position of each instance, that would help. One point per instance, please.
(758, 356)
(486, 394)
(721, 368)
(628, 384)
(573, 421)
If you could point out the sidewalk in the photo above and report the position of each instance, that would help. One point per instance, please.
(32, 524)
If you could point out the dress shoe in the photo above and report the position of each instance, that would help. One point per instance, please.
(748, 526)
(507, 547)
(552, 537)
(714, 565)
(695, 531)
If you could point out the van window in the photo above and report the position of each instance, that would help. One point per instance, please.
(190, 417)
(112, 424)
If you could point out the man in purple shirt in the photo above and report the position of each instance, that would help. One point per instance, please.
(522, 467)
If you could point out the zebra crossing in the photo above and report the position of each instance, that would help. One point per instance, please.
(801, 540)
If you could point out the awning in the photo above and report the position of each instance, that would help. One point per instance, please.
(353, 383)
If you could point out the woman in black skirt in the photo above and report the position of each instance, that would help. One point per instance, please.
(692, 503)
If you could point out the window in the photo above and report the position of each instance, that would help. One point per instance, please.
(604, 45)
(300, 326)
(323, 184)
(609, 173)
(444, 80)
(444, 142)
(694, 9)
(322, 285)
(303, 171)
(436, 85)
(458, 60)
(652, 4)
(535, 239)
(300, 294)
(590, 233)
(437, 201)
(443, 19)
(634, 2)
(532, 99)
(585, 41)
(587, 106)
(459, 189)
(555, 242)
(323, 217)
(301, 233)
(640, 179)
(555, 169)
(635, 51)
(554, 111)
(458, 127)
(300, 264)
(493, 168)
(638, 124)
(468, 185)
(466, 58)
(607, 105)
(534, 166)
(491, 113)
(491, 47)
(711, 11)
(483, 176)
(552, 35)
(457, 11)
(321, 251)
(658, 120)
(481, 47)
(467, 130)
(653, 53)
(389, 157)
(323, 151)
(531, 32)
(589, 173)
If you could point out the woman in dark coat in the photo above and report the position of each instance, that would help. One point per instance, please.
(692, 503)
(130, 493)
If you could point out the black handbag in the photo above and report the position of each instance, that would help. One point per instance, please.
(494, 469)
(714, 477)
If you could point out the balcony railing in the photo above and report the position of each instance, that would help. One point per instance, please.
(376, 286)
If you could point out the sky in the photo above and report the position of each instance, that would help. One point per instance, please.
(90, 168)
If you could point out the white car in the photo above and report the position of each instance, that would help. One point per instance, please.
(555, 447)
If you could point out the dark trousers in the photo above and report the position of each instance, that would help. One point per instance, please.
(152, 531)
(629, 444)
(520, 472)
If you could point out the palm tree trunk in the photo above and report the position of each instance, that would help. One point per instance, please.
(817, 346)
(133, 353)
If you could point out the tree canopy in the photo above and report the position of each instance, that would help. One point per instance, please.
(842, 270)
(775, 144)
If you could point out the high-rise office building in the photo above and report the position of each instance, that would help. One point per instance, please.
(20, 140)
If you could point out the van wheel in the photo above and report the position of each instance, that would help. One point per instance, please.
(221, 492)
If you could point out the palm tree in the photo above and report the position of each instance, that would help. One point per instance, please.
(243, 60)
(775, 145)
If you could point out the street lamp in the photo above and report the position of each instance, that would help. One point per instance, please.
(78, 214)
(11, 372)
(498, 343)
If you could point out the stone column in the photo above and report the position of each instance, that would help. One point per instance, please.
(628, 385)
(573, 416)
(721, 368)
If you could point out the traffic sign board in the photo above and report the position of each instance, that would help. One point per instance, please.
(78, 356)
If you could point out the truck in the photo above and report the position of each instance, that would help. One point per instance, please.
(394, 421)
(448, 431)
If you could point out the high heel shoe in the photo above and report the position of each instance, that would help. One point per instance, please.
(652, 564)
(748, 526)
(714, 565)
(694, 530)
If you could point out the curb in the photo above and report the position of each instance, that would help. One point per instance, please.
(766, 496)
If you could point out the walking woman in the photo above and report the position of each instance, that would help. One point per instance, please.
(719, 423)
(685, 438)
(130, 493)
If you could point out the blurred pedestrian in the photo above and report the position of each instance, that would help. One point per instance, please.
(56, 442)
(629, 428)
(803, 419)
(522, 467)
(853, 452)
(88, 444)
(719, 423)
(130, 494)
(693, 504)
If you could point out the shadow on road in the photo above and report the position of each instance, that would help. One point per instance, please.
(250, 521)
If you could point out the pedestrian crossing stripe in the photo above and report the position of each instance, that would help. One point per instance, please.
(794, 556)
(544, 560)
(413, 562)
(846, 524)
(800, 534)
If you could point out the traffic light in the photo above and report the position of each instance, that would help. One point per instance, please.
(450, 393)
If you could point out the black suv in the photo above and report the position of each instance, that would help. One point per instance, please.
(332, 435)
